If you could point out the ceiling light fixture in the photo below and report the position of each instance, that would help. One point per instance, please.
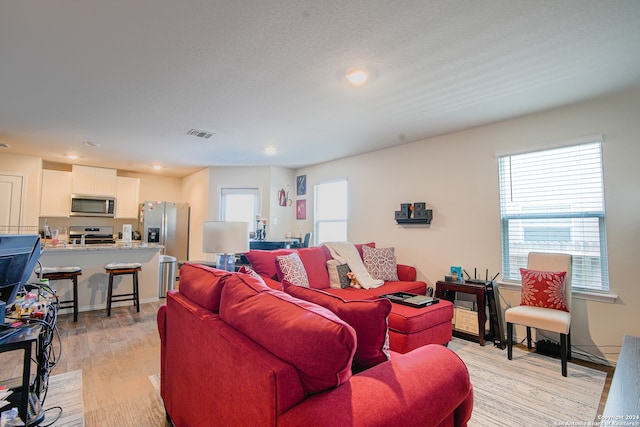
(357, 77)
(157, 167)
(270, 150)
(72, 156)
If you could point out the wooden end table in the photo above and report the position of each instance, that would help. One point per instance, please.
(447, 290)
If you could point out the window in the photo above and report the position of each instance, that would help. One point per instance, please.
(553, 201)
(330, 214)
(239, 204)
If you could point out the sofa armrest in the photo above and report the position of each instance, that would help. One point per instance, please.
(406, 273)
(427, 386)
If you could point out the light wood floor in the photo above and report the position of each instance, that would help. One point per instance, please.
(117, 354)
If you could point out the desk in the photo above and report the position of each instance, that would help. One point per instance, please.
(446, 290)
(271, 244)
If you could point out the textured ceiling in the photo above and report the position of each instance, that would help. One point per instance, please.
(134, 76)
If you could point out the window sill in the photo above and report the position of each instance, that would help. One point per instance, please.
(591, 296)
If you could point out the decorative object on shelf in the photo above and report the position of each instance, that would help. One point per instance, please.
(301, 185)
(301, 209)
(226, 238)
(419, 211)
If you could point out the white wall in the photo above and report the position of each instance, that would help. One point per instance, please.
(158, 188)
(281, 217)
(29, 167)
(457, 176)
(195, 191)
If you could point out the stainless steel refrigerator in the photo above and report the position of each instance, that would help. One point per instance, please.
(167, 224)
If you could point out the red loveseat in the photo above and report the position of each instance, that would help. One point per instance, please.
(235, 352)
(409, 328)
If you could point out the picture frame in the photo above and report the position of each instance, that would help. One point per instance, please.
(301, 185)
(301, 209)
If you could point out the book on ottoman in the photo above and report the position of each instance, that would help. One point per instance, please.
(413, 300)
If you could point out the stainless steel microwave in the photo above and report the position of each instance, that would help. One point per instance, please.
(85, 205)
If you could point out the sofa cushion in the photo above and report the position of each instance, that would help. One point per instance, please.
(201, 284)
(315, 260)
(367, 317)
(264, 262)
(311, 338)
(380, 263)
(290, 268)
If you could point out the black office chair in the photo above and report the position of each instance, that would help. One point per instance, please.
(306, 241)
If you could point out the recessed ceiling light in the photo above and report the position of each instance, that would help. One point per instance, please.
(91, 144)
(270, 150)
(157, 167)
(72, 156)
(357, 77)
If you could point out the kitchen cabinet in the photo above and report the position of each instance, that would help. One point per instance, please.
(127, 195)
(55, 198)
(94, 181)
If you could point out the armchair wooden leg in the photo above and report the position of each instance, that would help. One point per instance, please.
(528, 337)
(569, 346)
(563, 353)
(509, 340)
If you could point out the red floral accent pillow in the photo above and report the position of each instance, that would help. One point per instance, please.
(543, 289)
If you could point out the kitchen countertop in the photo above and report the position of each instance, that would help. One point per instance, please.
(104, 247)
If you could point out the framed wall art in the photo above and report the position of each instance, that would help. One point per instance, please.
(301, 185)
(301, 209)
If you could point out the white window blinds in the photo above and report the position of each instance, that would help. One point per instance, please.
(553, 201)
(331, 212)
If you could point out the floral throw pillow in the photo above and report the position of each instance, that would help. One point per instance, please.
(380, 263)
(543, 289)
(291, 269)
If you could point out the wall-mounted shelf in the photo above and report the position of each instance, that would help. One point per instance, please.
(414, 221)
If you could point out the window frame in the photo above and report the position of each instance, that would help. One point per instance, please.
(599, 214)
(316, 217)
(253, 191)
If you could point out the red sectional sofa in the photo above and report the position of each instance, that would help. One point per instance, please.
(409, 328)
(235, 352)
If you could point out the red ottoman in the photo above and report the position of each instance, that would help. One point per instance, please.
(410, 327)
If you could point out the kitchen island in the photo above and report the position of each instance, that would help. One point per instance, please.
(93, 283)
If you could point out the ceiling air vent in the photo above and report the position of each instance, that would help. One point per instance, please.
(200, 133)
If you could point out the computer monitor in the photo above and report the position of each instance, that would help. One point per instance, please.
(19, 254)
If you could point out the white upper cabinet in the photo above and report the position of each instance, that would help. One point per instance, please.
(56, 193)
(127, 195)
(94, 181)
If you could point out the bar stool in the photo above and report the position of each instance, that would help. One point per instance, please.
(119, 269)
(63, 273)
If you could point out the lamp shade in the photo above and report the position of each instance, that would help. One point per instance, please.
(225, 237)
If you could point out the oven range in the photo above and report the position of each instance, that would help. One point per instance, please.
(92, 235)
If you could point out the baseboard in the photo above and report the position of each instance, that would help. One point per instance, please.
(104, 306)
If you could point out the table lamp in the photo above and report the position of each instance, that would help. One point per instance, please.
(225, 237)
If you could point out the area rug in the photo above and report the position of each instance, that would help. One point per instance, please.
(65, 393)
(528, 390)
